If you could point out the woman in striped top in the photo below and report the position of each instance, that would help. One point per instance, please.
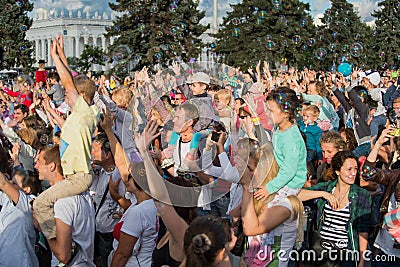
(344, 208)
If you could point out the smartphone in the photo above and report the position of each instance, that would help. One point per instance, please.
(215, 136)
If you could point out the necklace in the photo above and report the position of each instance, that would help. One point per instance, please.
(342, 196)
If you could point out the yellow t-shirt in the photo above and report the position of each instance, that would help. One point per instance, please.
(76, 137)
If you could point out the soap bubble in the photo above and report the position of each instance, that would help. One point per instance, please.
(23, 47)
(282, 34)
(158, 55)
(296, 39)
(346, 21)
(117, 28)
(262, 14)
(172, 7)
(382, 54)
(321, 53)
(303, 22)
(236, 32)
(345, 48)
(320, 38)
(334, 35)
(311, 42)
(20, 3)
(282, 18)
(154, 8)
(121, 52)
(277, 4)
(159, 34)
(385, 66)
(173, 31)
(270, 45)
(235, 21)
(24, 28)
(105, 58)
(398, 56)
(213, 46)
(182, 26)
(268, 37)
(284, 42)
(356, 50)
(8, 7)
(304, 47)
(375, 33)
(356, 36)
(328, 19)
(141, 27)
(332, 47)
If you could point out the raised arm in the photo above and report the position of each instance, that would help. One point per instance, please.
(158, 189)
(121, 159)
(57, 52)
(9, 189)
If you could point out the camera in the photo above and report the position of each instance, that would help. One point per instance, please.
(215, 136)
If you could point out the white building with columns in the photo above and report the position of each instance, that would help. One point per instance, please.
(77, 30)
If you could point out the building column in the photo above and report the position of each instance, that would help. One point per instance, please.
(111, 40)
(85, 40)
(77, 54)
(103, 43)
(48, 53)
(37, 51)
(43, 54)
(71, 46)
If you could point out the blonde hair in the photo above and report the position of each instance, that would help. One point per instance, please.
(122, 96)
(28, 135)
(268, 167)
(223, 94)
(313, 109)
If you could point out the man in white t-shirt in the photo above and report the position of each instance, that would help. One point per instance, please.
(17, 235)
(74, 216)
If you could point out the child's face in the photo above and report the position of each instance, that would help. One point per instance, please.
(275, 113)
(308, 117)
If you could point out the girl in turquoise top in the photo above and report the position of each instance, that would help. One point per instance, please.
(289, 147)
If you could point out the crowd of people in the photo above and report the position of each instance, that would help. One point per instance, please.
(208, 167)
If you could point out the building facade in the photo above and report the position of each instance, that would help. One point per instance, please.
(76, 29)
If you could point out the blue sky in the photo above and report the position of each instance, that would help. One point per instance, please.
(365, 7)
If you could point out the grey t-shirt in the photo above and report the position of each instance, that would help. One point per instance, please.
(58, 93)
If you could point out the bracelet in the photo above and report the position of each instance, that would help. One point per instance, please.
(256, 119)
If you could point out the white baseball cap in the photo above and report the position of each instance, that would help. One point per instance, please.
(199, 77)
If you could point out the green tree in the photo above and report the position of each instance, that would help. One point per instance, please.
(90, 55)
(387, 34)
(15, 50)
(156, 31)
(342, 37)
(255, 29)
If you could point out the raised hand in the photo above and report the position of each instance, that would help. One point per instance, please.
(176, 68)
(144, 139)
(107, 122)
(14, 152)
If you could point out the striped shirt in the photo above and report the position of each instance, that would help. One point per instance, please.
(334, 227)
